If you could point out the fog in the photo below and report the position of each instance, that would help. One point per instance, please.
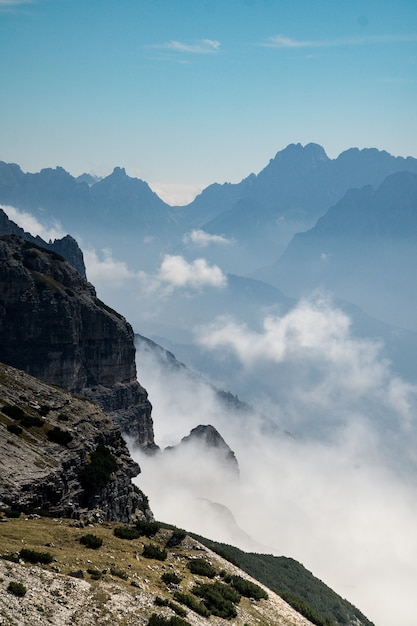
(327, 453)
(334, 486)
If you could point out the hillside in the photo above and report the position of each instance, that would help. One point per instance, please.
(117, 583)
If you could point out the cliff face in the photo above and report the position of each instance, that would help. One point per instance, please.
(49, 444)
(53, 327)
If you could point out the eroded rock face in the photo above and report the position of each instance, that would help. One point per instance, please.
(53, 326)
(38, 470)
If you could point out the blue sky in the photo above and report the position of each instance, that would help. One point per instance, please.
(187, 92)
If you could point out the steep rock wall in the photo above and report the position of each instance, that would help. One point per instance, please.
(53, 326)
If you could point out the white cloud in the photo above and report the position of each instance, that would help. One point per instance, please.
(202, 46)
(281, 41)
(177, 194)
(202, 239)
(31, 224)
(103, 267)
(178, 272)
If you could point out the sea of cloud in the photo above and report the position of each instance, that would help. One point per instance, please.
(338, 493)
(327, 455)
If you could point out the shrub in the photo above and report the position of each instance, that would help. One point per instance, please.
(192, 603)
(91, 541)
(12, 513)
(220, 599)
(176, 538)
(14, 429)
(158, 620)
(170, 578)
(31, 420)
(94, 573)
(147, 529)
(13, 411)
(151, 551)
(57, 435)
(62, 417)
(96, 474)
(17, 589)
(201, 567)
(119, 573)
(32, 556)
(248, 589)
(126, 532)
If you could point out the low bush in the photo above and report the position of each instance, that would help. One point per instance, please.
(119, 573)
(12, 513)
(192, 603)
(170, 578)
(151, 551)
(97, 473)
(94, 573)
(220, 599)
(126, 532)
(176, 538)
(91, 541)
(13, 411)
(14, 429)
(159, 620)
(201, 567)
(17, 589)
(32, 556)
(31, 420)
(147, 529)
(57, 435)
(248, 589)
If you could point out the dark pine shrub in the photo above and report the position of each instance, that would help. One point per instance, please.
(97, 473)
(91, 541)
(248, 589)
(17, 589)
(94, 573)
(32, 556)
(114, 571)
(191, 601)
(170, 578)
(220, 599)
(151, 551)
(13, 411)
(126, 532)
(147, 529)
(176, 538)
(57, 435)
(14, 429)
(159, 620)
(201, 567)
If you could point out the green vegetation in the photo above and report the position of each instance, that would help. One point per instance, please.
(32, 556)
(191, 601)
(14, 429)
(57, 435)
(172, 605)
(248, 589)
(147, 529)
(294, 582)
(126, 532)
(158, 620)
(201, 567)
(170, 578)
(13, 411)
(97, 473)
(151, 551)
(220, 599)
(176, 538)
(114, 571)
(91, 541)
(17, 589)
(94, 573)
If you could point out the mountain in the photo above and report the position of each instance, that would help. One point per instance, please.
(62, 455)
(67, 246)
(53, 326)
(364, 250)
(299, 185)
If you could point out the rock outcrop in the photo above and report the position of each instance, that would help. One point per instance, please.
(63, 454)
(210, 438)
(53, 326)
(66, 247)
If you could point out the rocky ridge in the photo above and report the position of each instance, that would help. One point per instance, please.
(47, 437)
(53, 326)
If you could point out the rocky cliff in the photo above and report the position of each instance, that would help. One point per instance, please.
(62, 454)
(53, 326)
